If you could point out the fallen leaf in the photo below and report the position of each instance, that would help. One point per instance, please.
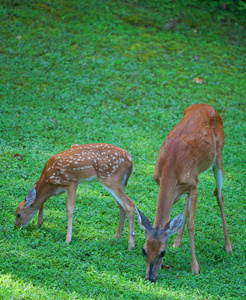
(198, 80)
(20, 157)
(55, 120)
(165, 267)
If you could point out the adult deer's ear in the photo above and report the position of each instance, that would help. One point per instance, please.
(173, 225)
(143, 221)
(30, 197)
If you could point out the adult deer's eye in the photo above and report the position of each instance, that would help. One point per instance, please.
(144, 252)
(162, 254)
(18, 215)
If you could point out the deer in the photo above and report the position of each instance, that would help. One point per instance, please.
(194, 145)
(106, 163)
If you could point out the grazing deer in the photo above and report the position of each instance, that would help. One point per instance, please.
(108, 164)
(191, 147)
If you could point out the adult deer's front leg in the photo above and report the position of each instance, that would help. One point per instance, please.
(218, 174)
(191, 229)
(71, 196)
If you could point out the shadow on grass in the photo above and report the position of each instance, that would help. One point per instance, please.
(98, 267)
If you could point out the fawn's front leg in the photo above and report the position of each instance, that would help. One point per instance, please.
(71, 196)
(40, 215)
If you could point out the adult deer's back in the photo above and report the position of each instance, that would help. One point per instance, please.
(191, 147)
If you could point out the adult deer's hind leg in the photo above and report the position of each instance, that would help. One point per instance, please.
(191, 230)
(218, 175)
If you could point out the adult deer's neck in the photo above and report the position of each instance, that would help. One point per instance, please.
(168, 183)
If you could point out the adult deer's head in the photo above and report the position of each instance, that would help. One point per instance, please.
(156, 242)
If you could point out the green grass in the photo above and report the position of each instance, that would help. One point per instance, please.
(114, 71)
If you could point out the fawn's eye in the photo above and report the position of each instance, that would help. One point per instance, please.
(18, 215)
(144, 252)
(162, 254)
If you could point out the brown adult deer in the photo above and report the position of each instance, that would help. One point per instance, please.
(108, 164)
(191, 147)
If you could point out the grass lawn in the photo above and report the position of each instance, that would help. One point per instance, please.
(118, 72)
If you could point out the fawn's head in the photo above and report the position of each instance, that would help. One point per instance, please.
(156, 242)
(25, 210)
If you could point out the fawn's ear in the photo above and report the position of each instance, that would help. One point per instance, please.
(143, 221)
(31, 196)
(173, 225)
